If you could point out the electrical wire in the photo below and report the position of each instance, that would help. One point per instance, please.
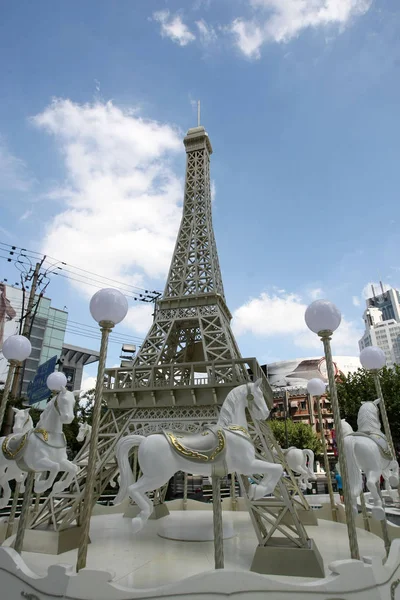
(31, 254)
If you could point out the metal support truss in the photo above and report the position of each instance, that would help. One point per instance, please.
(276, 513)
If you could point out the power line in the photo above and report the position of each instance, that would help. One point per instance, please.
(26, 254)
(88, 331)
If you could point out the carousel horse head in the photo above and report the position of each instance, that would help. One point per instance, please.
(22, 418)
(84, 431)
(346, 427)
(368, 416)
(64, 404)
(255, 400)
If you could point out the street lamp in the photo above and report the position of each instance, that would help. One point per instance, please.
(108, 307)
(16, 349)
(373, 359)
(316, 387)
(55, 382)
(323, 318)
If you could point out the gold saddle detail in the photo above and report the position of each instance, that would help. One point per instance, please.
(13, 445)
(204, 446)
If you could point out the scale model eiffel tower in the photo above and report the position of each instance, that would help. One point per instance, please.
(181, 375)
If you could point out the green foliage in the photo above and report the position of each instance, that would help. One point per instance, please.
(300, 435)
(359, 387)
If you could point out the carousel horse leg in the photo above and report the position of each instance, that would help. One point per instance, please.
(137, 492)
(272, 473)
(373, 478)
(72, 470)
(45, 464)
(6, 492)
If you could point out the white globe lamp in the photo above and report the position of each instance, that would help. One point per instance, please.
(372, 358)
(322, 315)
(316, 387)
(56, 381)
(108, 305)
(17, 348)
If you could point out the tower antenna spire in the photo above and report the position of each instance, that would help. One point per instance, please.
(198, 113)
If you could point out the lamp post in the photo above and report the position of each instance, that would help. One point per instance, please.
(316, 387)
(108, 307)
(55, 382)
(323, 318)
(373, 359)
(16, 349)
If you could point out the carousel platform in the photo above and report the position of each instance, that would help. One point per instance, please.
(146, 565)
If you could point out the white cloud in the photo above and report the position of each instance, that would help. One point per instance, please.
(88, 383)
(13, 171)
(120, 205)
(140, 317)
(173, 27)
(207, 32)
(25, 215)
(282, 314)
(315, 293)
(356, 301)
(282, 20)
(249, 37)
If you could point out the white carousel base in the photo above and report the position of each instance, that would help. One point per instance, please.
(191, 526)
(144, 560)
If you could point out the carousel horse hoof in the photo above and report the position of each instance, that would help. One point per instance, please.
(40, 487)
(137, 524)
(59, 487)
(252, 490)
(394, 481)
(378, 513)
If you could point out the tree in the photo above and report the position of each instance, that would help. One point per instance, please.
(359, 387)
(300, 435)
(85, 407)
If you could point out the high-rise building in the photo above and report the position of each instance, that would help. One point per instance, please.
(46, 336)
(382, 324)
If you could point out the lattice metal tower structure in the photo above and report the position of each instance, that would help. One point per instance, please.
(183, 372)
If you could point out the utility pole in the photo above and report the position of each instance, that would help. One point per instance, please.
(25, 331)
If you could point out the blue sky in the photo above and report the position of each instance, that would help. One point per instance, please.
(300, 100)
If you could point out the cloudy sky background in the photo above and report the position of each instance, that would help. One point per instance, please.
(300, 99)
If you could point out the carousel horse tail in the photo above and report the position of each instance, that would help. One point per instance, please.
(309, 454)
(122, 454)
(354, 471)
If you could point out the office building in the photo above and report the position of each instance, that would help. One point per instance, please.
(382, 324)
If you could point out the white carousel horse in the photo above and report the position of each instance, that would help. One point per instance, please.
(22, 423)
(368, 451)
(85, 432)
(43, 448)
(220, 449)
(302, 462)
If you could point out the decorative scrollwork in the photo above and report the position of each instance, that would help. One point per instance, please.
(393, 588)
(29, 596)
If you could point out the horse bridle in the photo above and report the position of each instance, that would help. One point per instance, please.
(56, 405)
(250, 395)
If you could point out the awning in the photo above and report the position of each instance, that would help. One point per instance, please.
(294, 404)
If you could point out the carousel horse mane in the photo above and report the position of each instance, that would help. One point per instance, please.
(227, 409)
